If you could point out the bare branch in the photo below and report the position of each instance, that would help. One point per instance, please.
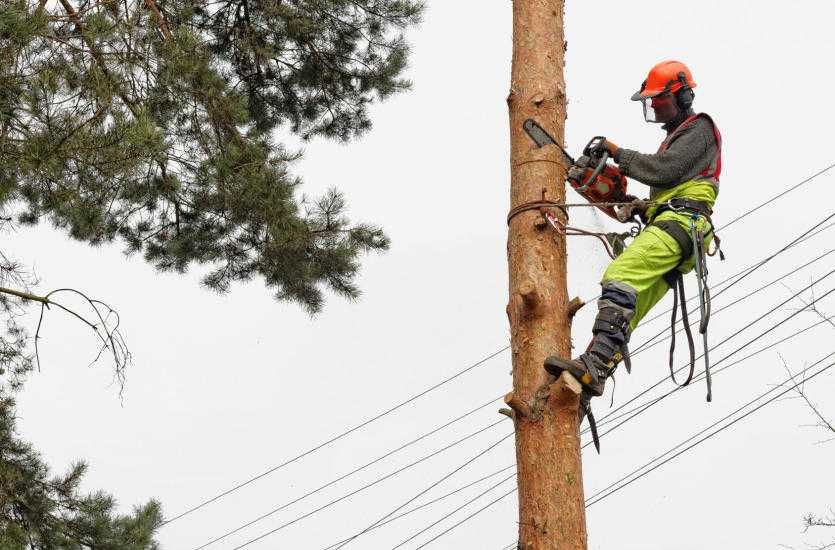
(105, 326)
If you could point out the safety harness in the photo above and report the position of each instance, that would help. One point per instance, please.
(691, 244)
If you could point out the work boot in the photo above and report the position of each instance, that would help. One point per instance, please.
(592, 368)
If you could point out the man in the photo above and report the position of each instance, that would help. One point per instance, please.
(683, 177)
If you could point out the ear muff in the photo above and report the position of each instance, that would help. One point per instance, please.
(685, 95)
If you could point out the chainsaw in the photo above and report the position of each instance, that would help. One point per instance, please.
(601, 182)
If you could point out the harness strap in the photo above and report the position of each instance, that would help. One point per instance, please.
(678, 204)
(678, 294)
(675, 281)
(682, 238)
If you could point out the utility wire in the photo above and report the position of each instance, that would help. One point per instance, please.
(705, 438)
(745, 327)
(751, 211)
(744, 274)
(433, 501)
(643, 408)
(347, 475)
(615, 487)
(650, 344)
(736, 278)
(777, 196)
(468, 518)
(335, 438)
(613, 414)
(427, 489)
(443, 382)
(597, 496)
(455, 511)
(371, 484)
(647, 405)
(639, 409)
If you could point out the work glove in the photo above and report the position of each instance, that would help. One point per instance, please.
(611, 147)
(636, 207)
(578, 169)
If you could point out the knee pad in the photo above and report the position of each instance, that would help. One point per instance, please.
(619, 295)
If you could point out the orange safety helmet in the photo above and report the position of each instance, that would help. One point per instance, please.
(671, 79)
(667, 76)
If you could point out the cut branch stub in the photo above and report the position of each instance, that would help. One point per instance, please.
(519, 407)
(575, 305)
(530, 298)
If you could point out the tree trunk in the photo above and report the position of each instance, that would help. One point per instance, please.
(551, 503)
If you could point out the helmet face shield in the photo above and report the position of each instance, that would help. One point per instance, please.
(661, 108)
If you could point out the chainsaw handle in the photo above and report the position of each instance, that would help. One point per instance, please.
(601, 165)
(596, 147)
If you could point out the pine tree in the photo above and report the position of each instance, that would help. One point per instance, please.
(39, 511)
(154, 122)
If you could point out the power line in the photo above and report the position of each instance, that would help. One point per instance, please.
(643, 408)
(779, 195)
(647, 405)
(723, 428)
(429, 503)
(427, 489)
(650, 344)
(745, 327)
(345, 476)
(335, 438)
(694, 436)
(617, 486)
(652, 402)
(455, 511)
(371, 484)
(748, 271)
(468, 518)
(438, 385)
(744, 275)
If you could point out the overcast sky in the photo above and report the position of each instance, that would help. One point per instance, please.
(225, 387)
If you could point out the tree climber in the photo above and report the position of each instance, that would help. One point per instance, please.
(683, 177)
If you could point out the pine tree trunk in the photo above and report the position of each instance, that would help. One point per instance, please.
(551, 503)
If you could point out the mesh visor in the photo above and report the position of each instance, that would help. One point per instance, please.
(660, 109)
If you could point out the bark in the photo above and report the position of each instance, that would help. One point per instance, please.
(551, 503)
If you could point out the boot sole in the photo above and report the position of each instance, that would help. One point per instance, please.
(556, 366)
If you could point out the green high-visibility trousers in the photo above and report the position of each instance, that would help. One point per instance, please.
(648, 258)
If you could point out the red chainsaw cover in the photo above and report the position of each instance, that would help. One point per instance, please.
(610, 186)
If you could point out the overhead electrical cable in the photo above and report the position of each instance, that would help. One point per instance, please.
(427, 489)
(336, 437)
(735, 334)
(700, 376)
(644, 407)
(453, 512)
(375, 482)
(777, 196)
(468, 518)
(433, 501)
(590, 502)
(347, 475)
(809, 233)
(714, 433)
(650, 344)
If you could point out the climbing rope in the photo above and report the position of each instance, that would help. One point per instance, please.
(612, 242)
(564, 206)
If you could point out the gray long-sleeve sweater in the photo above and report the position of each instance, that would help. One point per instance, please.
(685, 158)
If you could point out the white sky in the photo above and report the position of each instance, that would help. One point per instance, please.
(225, 387)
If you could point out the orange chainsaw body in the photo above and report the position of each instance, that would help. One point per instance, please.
(609, 186)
